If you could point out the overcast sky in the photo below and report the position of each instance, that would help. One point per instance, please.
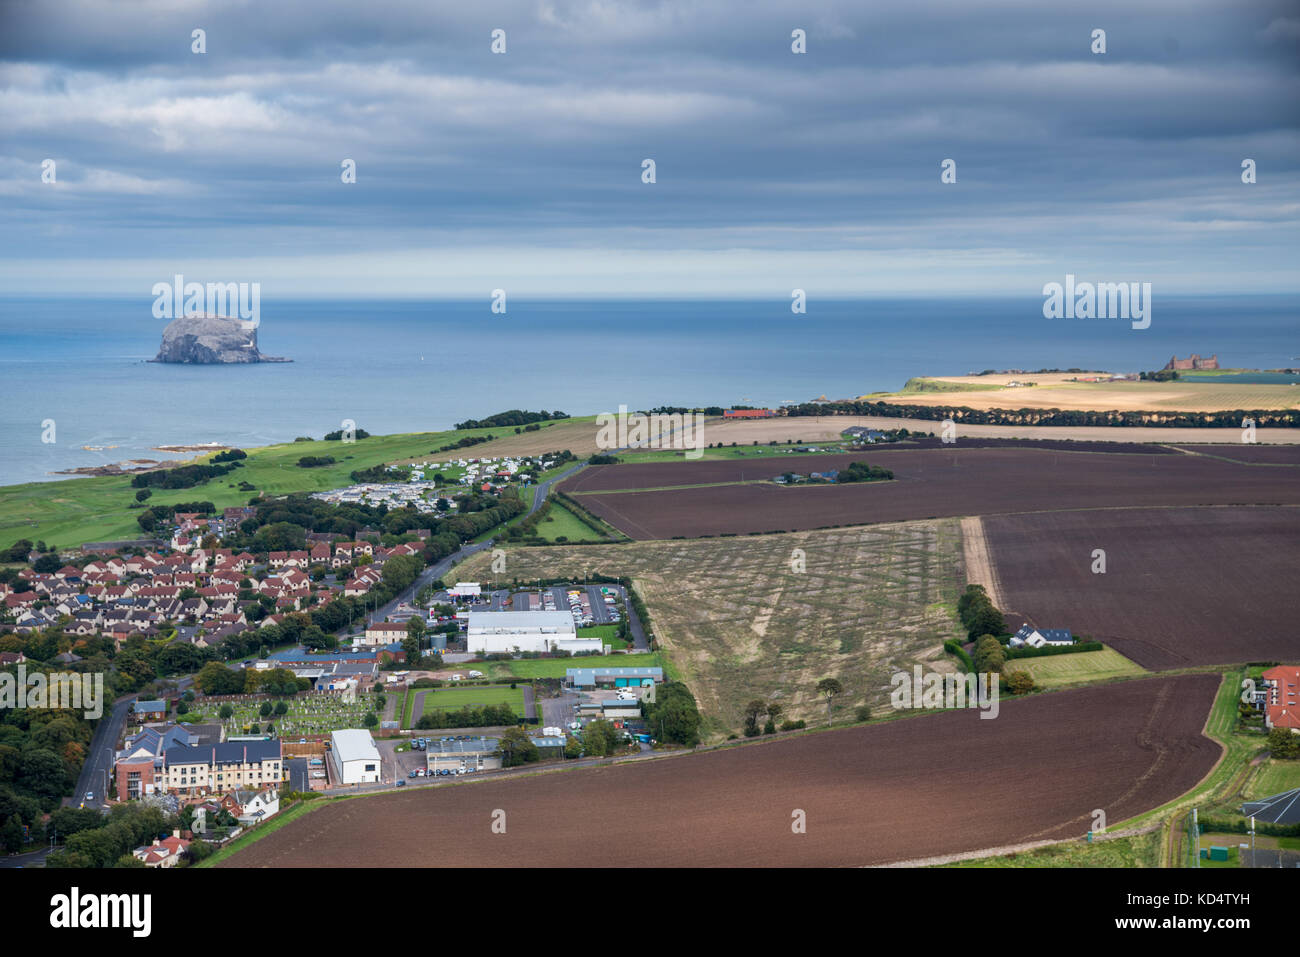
(523, 170)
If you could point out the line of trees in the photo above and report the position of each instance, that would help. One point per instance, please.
(1273, 418)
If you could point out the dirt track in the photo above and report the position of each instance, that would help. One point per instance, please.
(904, 790)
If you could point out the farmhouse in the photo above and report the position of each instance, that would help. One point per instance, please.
(1031, 637)
(354, 757)
(503, 632)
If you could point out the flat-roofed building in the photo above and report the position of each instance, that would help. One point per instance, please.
(506, 632)
(613, 677)
(477, 754)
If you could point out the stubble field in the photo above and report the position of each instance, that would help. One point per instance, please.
(737, 622)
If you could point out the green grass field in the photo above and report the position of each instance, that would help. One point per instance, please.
(555, 667)
(67, 513)
(606, 633)
(1273, 777)
(1057, 670)
(562, 523)
(476, 696)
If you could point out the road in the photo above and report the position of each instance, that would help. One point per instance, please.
(442, 566)
(99, 758)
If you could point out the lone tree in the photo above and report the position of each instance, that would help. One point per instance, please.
(753, 711)
(829, 687)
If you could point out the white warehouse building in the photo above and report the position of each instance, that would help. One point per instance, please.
(354, 757)
(504, 632)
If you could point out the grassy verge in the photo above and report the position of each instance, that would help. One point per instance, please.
(556, 667)
(1138, 850)
(286, 816)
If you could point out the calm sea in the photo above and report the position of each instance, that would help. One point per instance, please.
(397, 366)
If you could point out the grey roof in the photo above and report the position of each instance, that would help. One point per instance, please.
(590, 674)
(157, 704)
(1281, 808)
(231, 752)
(464, 745)
(354, 744)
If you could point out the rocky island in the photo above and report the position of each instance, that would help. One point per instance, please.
(211, 340)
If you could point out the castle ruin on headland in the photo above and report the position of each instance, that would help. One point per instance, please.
(1193, 362)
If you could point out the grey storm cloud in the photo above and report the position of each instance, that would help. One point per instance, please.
(1129, 160)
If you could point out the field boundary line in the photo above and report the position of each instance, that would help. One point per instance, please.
(942, 859)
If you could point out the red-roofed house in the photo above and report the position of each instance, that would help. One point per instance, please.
(1282, 697)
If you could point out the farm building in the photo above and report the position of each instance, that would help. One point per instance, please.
(617, 708)
(748, 413)
(1031, 637)
(501, 632)
(613, 677)
(354, 757)
(549, 745)
(480, 754)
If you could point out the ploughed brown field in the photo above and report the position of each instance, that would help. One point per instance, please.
(1247, 452)
(929, 483)
(921, 787)
(1182, 587)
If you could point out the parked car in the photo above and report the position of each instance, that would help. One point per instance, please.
(401, 783)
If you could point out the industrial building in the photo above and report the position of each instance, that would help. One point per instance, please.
(477, 754)
(613, 677)
(507, 632)
(354, 757)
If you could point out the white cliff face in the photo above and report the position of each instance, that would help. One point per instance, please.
(210, 340)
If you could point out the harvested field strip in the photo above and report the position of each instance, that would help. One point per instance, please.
(769, 617)
(620, 491)
(980, 569)
(1182, 586)
(872, 794)
(1247, 453)
(937, 484)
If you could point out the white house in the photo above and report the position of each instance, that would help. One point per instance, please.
(1033, 637)
(354, 757)
(505, 632)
